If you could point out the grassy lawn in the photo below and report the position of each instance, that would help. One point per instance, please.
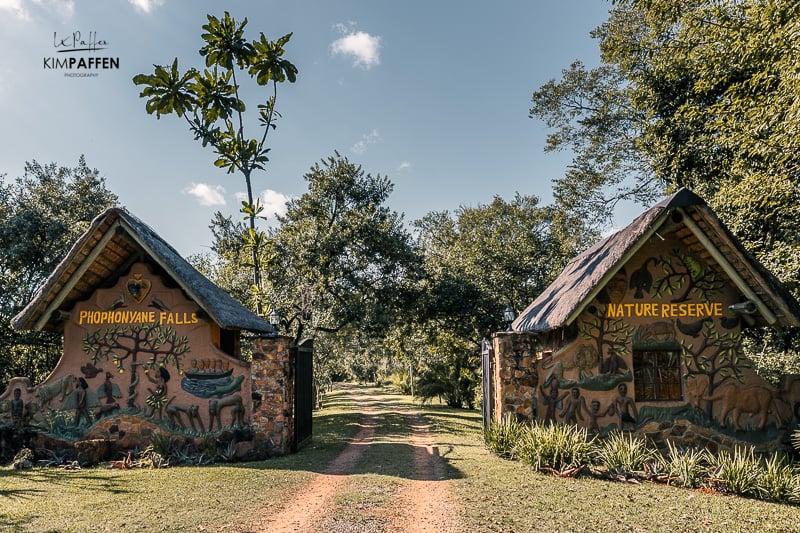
(212, 498)
(495, 494)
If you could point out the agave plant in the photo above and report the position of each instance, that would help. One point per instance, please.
(501, 437)
(740, 473)
(687, 467)
(228, 453)
(779, 480)
(560, 449)
(625, 456)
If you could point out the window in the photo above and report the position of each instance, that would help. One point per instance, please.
(657, 374)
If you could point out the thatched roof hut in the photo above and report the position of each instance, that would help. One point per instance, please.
(693, 222)
(114, 241)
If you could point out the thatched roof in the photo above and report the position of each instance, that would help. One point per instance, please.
(114, 241)
(693, 222)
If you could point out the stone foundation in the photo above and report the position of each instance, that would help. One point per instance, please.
(685, 434)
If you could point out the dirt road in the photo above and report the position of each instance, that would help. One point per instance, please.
(347, 497)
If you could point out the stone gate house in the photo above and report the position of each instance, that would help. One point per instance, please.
(646, 326)
(150, 345)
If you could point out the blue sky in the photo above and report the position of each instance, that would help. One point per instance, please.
(433, 94)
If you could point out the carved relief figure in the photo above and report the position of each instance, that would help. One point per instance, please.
(192, 413)
(81, 403)
(60, 388)
(712, 361)
(572, 407)
(215, 408)
(754, 400)
(109, 390)
(613, 364)
(642, 279)
(655, 333)
(158, 396)
(625, 407)
(17, 407)
(584, 361)
(552, 400)
(594, 413)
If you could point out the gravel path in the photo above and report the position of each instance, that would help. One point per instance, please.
(420, 502)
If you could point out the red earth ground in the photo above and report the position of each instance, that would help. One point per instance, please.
(421, 503)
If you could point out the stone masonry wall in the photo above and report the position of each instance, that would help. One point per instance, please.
(273, 381)
(515, 375)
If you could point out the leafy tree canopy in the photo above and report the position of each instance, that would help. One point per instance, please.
(340, 256)
(693, 93)
(42, 214)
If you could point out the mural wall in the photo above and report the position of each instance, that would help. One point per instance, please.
(662, 340)
(138, 349)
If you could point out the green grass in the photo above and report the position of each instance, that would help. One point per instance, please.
(502, 495)
(218, 497)
(494, 494)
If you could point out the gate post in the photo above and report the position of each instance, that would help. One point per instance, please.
(273, 393)
(487, 379)
(516, 376)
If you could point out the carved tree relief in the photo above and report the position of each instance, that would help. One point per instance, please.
(682, 276)
(716, 358)
(126, 342)
(612, 339)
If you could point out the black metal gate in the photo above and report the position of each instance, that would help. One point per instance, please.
(487, 366)
(303, 393)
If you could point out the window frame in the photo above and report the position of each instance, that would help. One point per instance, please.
(660, 387)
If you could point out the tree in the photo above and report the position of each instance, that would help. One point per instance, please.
(210, 102)
(340, 256)
(477, 261)
(42, 214)
(486, 258)
(122, 342)
(222, 264)
(691, 93)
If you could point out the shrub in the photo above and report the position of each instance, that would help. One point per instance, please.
(686, 467)
(779, 480)
(501, 437)
(557, 448)
(625, 456)
(165, 445)
(739, 473)
(401, 381)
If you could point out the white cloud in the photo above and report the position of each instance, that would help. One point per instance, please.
(361, 46)
(366, 140)
(146, 6)
(16, 9)
(207, 195)
(64, 9)
(404, 165)
(274, 203)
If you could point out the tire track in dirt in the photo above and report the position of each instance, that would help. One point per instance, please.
(425, 498)
(421, 504)
(311, 501)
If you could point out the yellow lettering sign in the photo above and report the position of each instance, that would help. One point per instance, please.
(664, 310)
(96, 318)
